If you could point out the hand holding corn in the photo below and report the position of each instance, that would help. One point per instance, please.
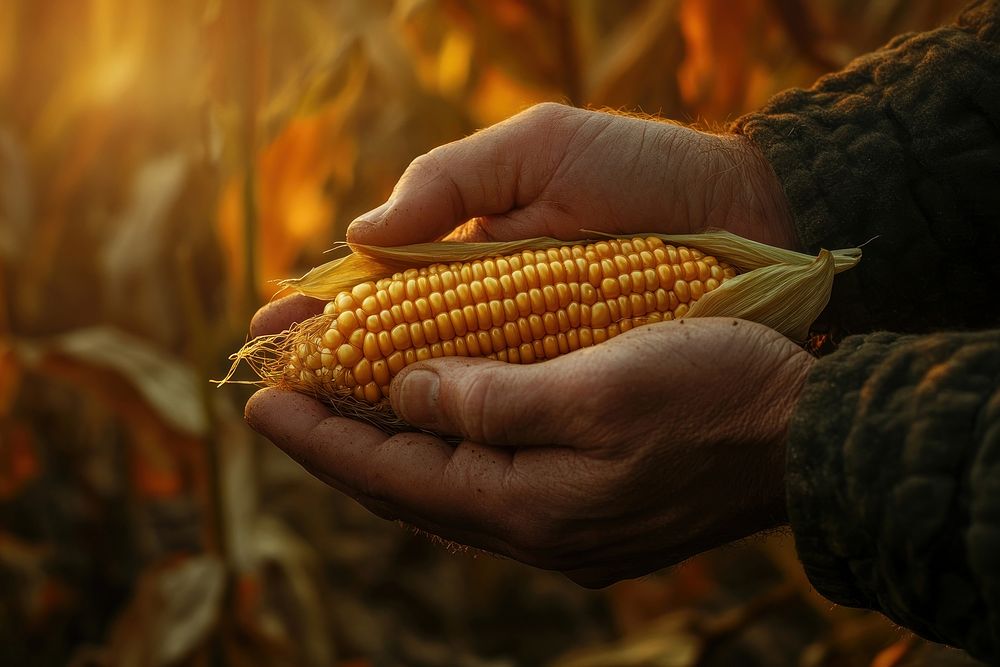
(605, 463)
(555, 171)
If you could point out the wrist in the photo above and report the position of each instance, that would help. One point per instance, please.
(756, 206)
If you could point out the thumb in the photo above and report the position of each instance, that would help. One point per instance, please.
(481, 400)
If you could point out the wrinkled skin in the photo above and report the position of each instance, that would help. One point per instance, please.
(607, 463)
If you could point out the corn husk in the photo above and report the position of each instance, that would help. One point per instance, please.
(779, 288)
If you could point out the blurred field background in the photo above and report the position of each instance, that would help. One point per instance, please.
(161, 163)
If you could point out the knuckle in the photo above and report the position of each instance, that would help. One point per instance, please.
(482, 408)
(547, 110)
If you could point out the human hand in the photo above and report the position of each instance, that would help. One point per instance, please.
(604, 464)
(554, 170)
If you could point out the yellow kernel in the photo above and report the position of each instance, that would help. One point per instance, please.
(681, 311)
(550, 324)
(496, 313)
(478, 291)
(522, 303)
(330, 308)
(332, 338)
(401, 337)
(507, 287)
(638, 281)
(397, 292)
(573, 339)
(478, 273)
(485, 340)
(384, 343)
(372, 393)
(573, 314)
(483, 318)
(563, 295)
(600, 335)
(387, 319)
(423, 286)
(348, 355)
(614, 308)
(558, 272)
(451, 300)
(510, 309)
(537, 301)
(472, 345)
(370, 347)
(442, 323)
(551, 347)
(610, 288)
(510, 334)
(492, 287)
(469, 319)
(526, 352)
(600, 315)
(464, 295)
(524, 329)
(498, 340)
(637, 305)
(410, 356)
(430, 331)
(457, 322)
(423, 308)
(588, 295)
(697, 289)
(594, 274)
(520, 284)
(586, 337)
(423, 353)
(562, 340)
(373, 323)
(682, 291)
(347, 322)
(395, 362)
(362, 371)
(437, 304)
(362, 291)
(417, 335)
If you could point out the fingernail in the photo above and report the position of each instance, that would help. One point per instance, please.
(418, 397)
(366, 221)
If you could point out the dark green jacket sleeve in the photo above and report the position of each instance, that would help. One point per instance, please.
(894, 450)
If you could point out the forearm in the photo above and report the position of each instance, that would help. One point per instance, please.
(893, 482)
(901, 150)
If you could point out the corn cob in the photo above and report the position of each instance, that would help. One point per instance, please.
(518, 308)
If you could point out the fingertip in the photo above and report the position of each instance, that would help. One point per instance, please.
(279, 315)
(284, 417)
(362, 230)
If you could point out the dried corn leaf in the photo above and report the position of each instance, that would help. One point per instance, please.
(169, 386)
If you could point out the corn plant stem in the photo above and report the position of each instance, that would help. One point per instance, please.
(201, 353)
